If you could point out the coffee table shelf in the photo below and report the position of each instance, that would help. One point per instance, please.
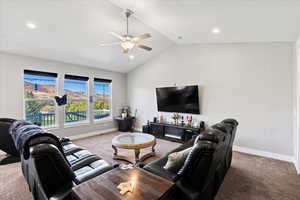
(136, 142)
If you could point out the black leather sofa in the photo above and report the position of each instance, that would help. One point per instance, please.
(205, 167)
(54, 166)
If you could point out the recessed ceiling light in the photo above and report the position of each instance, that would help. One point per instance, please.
(216, 31)
(131, 57)
(30, 25)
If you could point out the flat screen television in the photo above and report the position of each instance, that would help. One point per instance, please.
(178, 99)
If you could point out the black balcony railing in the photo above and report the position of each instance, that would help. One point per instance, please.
(48, 119)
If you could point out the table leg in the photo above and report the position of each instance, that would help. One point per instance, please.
(148, 155)
(115, 150)
(119, 157)
(153, 150)
(137, 156)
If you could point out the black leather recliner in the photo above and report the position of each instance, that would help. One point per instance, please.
(6, 141)
(47, 172)
(205, 167)
(53, 166)
(228, 126)
(233, 123)
(198, 173)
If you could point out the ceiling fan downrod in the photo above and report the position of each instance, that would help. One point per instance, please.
(128, 13)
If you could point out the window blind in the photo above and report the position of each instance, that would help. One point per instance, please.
(72, 77)
(39, 73)
(102, 80)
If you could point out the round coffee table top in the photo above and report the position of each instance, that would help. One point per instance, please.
(134, 140)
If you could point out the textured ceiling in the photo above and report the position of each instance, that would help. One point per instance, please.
(72, 30)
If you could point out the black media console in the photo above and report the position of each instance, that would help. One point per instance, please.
(171, 132)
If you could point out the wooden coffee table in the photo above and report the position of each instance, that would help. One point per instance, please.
(135, 141)
(147, 186)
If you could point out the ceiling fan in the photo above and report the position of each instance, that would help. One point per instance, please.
(128, 42)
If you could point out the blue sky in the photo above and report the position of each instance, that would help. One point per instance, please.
(41, 80)
(73, 85)
(102, 88)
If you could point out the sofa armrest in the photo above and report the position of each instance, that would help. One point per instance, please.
(91, 169)
(159, 171)
(156, 167)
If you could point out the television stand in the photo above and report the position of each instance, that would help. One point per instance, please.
(172, 132)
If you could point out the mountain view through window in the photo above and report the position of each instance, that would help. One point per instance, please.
(102, 98)
(39, 92)
(40, 89)
(76, 89)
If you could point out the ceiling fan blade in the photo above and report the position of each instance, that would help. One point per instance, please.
(141, 37)
(117, 35)
(144, 47)
(110, 44)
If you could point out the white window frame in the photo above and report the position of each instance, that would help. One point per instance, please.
(60, 111)
(110, 117)
(70, 124)
(55, 125)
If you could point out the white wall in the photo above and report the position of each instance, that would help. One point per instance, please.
(1, 85)
(297, 106)
(11, 88)
(249, 82)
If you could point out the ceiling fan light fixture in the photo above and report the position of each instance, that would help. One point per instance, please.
(127, 41)
(127, 45)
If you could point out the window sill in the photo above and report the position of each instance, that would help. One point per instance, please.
(76, 124)
(52, 128)
(104, 120)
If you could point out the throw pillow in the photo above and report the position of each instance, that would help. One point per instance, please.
(176, 160)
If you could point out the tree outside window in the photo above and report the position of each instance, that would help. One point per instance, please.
(39, 93)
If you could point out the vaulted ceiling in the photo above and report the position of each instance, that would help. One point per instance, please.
(72, 30)
(238, 20)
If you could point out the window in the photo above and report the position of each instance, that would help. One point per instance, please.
(40, 89)
(102, 98)
(39, 93)
(76, 88)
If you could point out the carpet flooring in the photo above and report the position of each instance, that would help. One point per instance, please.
(249, 178)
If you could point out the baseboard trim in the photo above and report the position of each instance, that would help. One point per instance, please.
(81, 136)
(264, 154)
